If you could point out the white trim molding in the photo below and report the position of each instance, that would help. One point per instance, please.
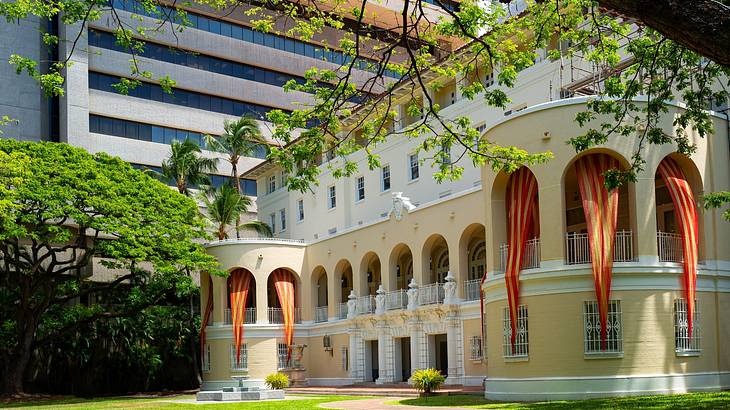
(576, 388)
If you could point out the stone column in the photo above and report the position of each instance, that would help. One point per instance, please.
(386, 367)
(416, 331)
(454, 347)
(357, 360)
(645, 231)
(219, 299)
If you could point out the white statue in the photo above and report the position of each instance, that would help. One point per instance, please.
(351, 304)
(412, 295)
(380, 300)
(450, 297)
(400, 203)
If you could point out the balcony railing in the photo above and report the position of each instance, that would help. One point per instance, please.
(320, 314)
(431, 294)
(249, 318)
(397, 299)
(342, 311)
(530, 259)
(366, 305)
(578, 250)
(670, 247)
(471, 289)
(276, 316)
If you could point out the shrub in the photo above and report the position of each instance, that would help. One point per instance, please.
(427, 380)
(277, 381)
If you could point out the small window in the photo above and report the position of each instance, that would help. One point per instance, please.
(300, 210)
(592, 329)
(445, 154)
(413, 170)
(475, 347)
(385, 178)
(272, 222)
(272, 183)
(685, 345)
(345, 358)
(205, 365)
(284, 178)
(360, 189)
(331, 197)
(521, 346)
(282, 219)
(242, 363)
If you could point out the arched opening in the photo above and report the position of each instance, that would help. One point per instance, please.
(343, 279)
(436, 258)
(250, 306)
(274, 299)
(668, 219)
(577, 250)
(370, 277)
(517, 205)
(319, 294)
(473, 260)
(400, 262)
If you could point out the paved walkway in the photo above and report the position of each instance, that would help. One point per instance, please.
(371, 389)
(378, 404)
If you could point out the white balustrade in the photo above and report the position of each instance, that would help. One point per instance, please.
(431, 294)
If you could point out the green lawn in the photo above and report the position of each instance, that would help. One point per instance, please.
(678, 401)
(168, 402)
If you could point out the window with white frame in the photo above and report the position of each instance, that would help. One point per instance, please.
(272, 183)
(282, 219)
(282, 353)
(272, 222)
(345, 358)
(205, 365)
(413, 170)
(360, 188)
(300, 209)
(475, 348)
(385, 178)
(445, 154)
(284, 178)
(684, 344)
(592, 328)
(331, 197)
(242, 363)
(521, 345)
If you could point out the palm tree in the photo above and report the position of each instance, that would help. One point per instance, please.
(241, 138)
(186, 167)
(225, 207)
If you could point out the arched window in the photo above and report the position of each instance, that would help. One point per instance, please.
(477, 260)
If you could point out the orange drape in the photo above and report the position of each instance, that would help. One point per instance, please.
(239, 286)
(685, 210)
(206, 315)
(284, 284)
(520, 201)
(600, 208)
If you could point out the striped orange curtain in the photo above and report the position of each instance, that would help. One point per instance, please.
(239, 283)
(284, 284)
(685, 210)
(206, 315)
(521, 199)
(600, 208)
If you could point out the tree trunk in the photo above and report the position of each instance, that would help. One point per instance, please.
(702, 26)
(17, 362)
(237, 184)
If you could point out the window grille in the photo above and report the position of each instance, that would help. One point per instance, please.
(242, 363)
(682, 342)
(206, 358)
(344, 355)
(520, 348)
(592, 328)
(282, 351)
(475, 347)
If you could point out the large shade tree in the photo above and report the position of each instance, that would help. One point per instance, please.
(656, 51)
(68, 214)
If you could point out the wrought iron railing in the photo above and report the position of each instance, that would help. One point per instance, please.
(320, 314)
(342, 311)
(276, 316)
(366, 305)
(431, 294)
(397, 299)
(471, 289)
(530, 259)
(249, 318)
(670, 247)
(578, 250)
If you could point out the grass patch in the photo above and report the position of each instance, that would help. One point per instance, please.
(675, 401)
(170, 402)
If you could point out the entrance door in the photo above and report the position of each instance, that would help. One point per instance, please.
(405, 358)
(374, 372)
(441, 353)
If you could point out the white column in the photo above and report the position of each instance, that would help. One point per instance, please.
(454, 348)
(357, 359)
(386, 367)
(414, 326)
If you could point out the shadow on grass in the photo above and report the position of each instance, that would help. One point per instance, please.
(56, 401)
(679, 401)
